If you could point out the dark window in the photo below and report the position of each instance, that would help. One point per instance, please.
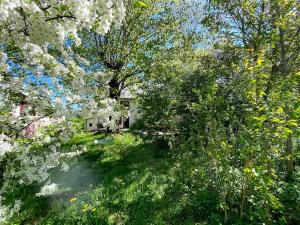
(126, 123)
(90, 124)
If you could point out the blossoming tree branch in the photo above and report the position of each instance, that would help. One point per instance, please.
(38, 67)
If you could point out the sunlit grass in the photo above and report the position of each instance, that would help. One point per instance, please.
(120, 180)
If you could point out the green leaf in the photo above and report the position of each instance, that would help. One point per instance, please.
(293, 123)
(140, 4)
(64, 8)
(277, 120)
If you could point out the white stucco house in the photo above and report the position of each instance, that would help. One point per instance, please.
(126, 99)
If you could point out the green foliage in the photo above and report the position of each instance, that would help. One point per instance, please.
(230, 114)
(128, 52)
(140, 4)
(238, 121)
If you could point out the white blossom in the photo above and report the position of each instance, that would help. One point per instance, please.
(5, 145)
(47, 189)
(7, 212)
(47, 24)
(64, 167)
(4, 212)
(42, 24)
(3, 57)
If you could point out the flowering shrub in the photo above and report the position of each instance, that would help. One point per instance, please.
(27, 162)
(22, 166)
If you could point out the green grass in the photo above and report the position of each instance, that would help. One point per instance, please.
(81, 139)
(121, 181)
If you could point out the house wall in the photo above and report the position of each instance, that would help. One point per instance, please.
(91, 124)
(33, 128)
(133, 113)
(133, 116)
(43, 122)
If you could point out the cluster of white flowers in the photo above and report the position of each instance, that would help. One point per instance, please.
(4, 212)
(64, 167)
(36, 26)
(50, 21)
(76, 150)
(47, 189)
(34, 167)
(24, 169)
(3, 65)
(5, 145)
(7, 212)
(30, 166)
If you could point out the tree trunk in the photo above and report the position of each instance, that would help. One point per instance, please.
(114, 89)
(114, 93)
